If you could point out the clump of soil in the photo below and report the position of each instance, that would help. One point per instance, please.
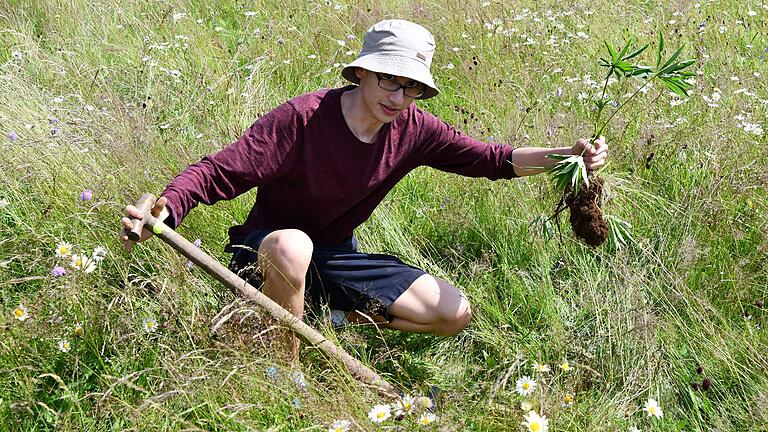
(587, 219)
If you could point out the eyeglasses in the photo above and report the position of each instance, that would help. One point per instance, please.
(412, 89)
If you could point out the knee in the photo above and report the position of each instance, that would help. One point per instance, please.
(453, 323)
(289, 251)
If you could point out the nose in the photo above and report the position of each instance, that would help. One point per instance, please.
(397, 96)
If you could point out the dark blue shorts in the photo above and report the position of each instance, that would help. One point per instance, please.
(339, 276)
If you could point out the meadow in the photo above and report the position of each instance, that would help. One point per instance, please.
(102, 101)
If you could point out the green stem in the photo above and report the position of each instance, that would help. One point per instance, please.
(608, 120)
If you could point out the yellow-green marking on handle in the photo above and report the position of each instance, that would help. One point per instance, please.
(158, 228)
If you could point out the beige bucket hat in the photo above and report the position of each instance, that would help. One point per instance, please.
(397, 47)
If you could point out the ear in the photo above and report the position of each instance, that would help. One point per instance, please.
(360, 73)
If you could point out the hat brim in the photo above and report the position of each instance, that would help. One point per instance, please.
(393, 65)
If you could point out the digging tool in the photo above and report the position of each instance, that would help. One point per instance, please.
(248, 292)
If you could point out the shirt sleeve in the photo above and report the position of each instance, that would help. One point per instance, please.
(444, 147)
(259, 156)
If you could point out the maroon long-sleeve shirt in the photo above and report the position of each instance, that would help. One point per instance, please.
(313, 174)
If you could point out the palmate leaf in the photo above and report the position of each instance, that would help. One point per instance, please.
(569, 171)
(620, 232)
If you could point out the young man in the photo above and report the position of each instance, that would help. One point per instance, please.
(323, 161)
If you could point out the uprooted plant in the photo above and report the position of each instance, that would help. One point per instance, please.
(580, 190)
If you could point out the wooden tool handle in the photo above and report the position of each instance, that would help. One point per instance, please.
(144, 204)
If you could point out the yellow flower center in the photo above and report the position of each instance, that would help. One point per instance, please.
(18, 312)
(652, 409)
(64, 250)
(406, 406)
(79, 331)
(425, 420)
(79, 262)
(535, 427)
(568, 399)
(380, 414)
(526, 386)
(150, 324)
(338, 429)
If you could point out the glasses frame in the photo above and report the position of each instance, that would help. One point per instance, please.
(384, 77)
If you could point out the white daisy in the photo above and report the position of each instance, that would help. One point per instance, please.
(379, 413)
(536, 423)
(525, 385)
(405, 405)
(99, 253)
(149, 325)
(427, 418)
(63, 249)
(340, 426)
(64, 345)
(653, 409)
(540, 367)
(21, 313)
(565, 365)
(82, 262)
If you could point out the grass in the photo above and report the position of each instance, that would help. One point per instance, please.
(118, 97)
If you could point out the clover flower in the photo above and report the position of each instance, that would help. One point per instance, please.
(13, 136)
(340, 426)
(21, 313)
(423, 402)
(63, 249)
(653, 409)
(58, 271)
(149, 325)
(86, 195)
(379, 413)
(525, 385)
(535, 423)
(427, 418)
(64, 345)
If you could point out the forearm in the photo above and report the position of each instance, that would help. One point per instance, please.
(533, 160)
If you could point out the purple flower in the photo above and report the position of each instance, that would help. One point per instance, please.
(58, 271)
(197, 242)
(189, 265)
(86, 195)
(13, 136)
(351, 37)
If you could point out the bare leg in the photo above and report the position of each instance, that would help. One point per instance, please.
(430, 305)
(284, 258)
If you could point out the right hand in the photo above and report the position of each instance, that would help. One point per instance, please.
(131, 212)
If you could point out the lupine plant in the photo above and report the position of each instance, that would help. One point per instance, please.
(572, 180)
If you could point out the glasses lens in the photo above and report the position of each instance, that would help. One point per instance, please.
(388, 84)
(414, 92)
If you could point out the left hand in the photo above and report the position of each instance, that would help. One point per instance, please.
(594, 154)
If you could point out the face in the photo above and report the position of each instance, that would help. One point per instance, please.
(385, 105)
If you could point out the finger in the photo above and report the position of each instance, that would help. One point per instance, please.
(133, 212)
(159, 206)
(127, 224)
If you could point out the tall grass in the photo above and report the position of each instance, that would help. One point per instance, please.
(118, 97)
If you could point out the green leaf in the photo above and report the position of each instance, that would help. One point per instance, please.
(611, 52)
(624, 50)
(659, 50)
(636, 53)
(674, 57)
